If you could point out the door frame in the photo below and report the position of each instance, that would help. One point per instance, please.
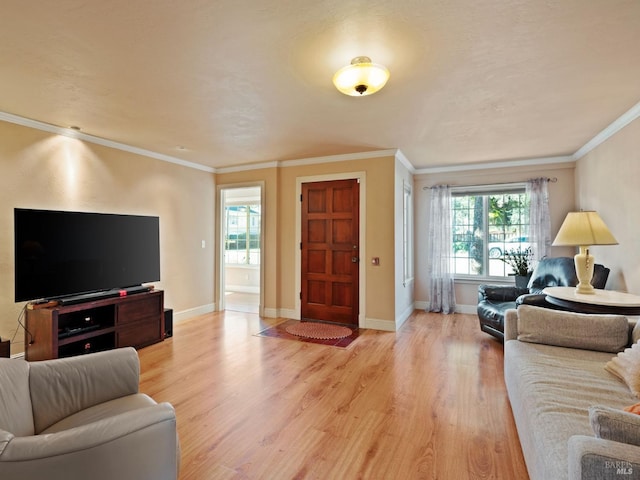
(220, 280)
(361, 177)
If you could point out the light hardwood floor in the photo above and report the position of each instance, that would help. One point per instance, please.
(427, 402)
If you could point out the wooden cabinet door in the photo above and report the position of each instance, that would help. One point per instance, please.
(330, 251)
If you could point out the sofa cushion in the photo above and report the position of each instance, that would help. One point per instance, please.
(613, 424)
(604, 333)
(626, 366)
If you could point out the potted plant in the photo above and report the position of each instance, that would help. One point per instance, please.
(520, 262)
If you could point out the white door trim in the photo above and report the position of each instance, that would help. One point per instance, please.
(220, 239)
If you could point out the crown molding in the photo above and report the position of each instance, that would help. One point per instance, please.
(626, 118)
(525, 162)
(69, 132)
(617, 125)
(345, 157)
(405, 161)
(247, 167)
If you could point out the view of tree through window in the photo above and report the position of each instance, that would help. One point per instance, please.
(485, 227)
(242, 240)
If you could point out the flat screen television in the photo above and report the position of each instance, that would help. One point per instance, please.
(60, 254)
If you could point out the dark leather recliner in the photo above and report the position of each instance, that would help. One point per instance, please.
(495, 300)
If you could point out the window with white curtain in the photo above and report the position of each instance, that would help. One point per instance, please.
(488, 222)
(407, 234)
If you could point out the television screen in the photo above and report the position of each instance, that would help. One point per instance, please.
(68, 253)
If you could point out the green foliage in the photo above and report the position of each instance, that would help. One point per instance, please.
(519, 260)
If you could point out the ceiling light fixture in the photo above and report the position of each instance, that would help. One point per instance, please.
(361, 78)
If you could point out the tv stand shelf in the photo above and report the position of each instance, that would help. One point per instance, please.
(65, 330)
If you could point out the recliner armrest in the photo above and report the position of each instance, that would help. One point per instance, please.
(5, 438)
(535, 299)
(500, 293)
(86, 436)
(140, 444)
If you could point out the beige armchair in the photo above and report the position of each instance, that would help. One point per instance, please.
(83, 418)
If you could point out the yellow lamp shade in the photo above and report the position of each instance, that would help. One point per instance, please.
(361, 78)
(584, 228)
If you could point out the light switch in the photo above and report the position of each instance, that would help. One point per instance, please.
(203, 244)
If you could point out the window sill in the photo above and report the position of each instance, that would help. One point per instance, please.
(482, 280)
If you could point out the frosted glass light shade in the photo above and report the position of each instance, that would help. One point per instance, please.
(361, 78)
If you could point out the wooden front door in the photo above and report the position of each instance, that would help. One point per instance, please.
(330, 251)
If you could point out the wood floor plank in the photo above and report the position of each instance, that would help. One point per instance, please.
(427, 402)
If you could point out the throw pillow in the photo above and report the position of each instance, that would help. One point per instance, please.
(605, 333)
(616, 425)
(626, 366)
(635, 408)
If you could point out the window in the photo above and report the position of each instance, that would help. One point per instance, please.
(486, 225)
(242, 239)
(407, 234)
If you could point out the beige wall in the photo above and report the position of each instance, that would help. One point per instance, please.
(607, 181)
(280, 215)
(42, 170)
(561, 200)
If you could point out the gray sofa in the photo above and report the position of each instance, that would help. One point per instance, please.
(567, 407)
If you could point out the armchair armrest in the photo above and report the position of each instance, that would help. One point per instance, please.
(511, 324)
(89, 450)
(593, 458)
(500, 293)
(535, 299)
(80, 382)
(86, 436)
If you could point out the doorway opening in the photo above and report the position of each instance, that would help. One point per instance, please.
(241, 246)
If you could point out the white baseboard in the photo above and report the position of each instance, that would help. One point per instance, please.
(378, 324)
(404, 316)
(193, 312)
(280, 313)
(469, 309)
(420, 305)
(242, 289)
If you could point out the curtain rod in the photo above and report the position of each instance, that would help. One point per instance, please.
(552, 180)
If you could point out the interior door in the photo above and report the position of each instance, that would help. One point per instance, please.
(330, 251)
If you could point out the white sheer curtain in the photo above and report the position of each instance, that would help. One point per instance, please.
(442, 296)
(539, 220)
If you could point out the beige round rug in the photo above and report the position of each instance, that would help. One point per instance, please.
(321, 331)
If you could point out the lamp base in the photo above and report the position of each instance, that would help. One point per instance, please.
(584, 271)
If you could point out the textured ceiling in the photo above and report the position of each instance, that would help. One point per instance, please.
(238, 81)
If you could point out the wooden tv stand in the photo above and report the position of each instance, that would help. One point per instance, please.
(62, 331)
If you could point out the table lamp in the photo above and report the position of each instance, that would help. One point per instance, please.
(583, 229)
